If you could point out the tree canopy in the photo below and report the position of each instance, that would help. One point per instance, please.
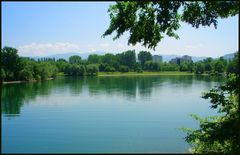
(10, 62)
(75, 59)
(149, 21)
(144, 56)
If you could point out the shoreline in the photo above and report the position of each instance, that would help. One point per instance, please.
(104, 74)
(31, 81)
(142, 74)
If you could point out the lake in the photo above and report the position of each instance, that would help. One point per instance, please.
(103, 114)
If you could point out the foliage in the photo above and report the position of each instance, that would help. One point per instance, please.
(43, 71)
(199, 67)
(219, 67)
(144, 56)
(26, 74)
(151, 66)
(3, 75)
(233, 66)
(149, 21)
(75, 70)
(102, 67)
(123, 68)
(184, 66)
(137, 67)
(75, 59)
(61, 65)
(94, 59)
(219, 134)
(27, 69)
(109, 59)
(169, 67)
(127, 58)
(92, 69)
(10, 63)
(109, 69)
(208, 65)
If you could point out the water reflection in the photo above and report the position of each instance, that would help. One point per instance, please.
(14, 96)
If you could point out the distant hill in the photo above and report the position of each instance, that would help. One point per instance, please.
(166, 58)
(67, 55)
(229, 56)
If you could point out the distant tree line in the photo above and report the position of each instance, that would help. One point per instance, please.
(14, 67)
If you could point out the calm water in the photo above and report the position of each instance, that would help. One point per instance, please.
(103, 114)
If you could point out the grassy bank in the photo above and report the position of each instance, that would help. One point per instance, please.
(143, 73)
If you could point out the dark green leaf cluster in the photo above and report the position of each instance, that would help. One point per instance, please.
(75, 70)
(144, 56)
(220, 134)
(217, 66)
(15, 68)
(149, 21)
(92, 69)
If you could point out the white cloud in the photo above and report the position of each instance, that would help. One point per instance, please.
(93, 49)
(190, 47)
(120, 45)
(44, 49)
(104, 45)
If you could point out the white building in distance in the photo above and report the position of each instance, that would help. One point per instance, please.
(157, 58)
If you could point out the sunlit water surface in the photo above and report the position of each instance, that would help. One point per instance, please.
(103, 114)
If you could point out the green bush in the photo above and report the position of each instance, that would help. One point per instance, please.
(25, 75)
(109, 69)
(75, 70)
(139, 70)
(92, 69)
(123, 68)
(3, 75)
(38, 77)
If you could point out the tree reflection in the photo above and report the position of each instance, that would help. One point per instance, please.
(14, 96)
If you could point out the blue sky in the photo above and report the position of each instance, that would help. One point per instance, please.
(46, 28)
